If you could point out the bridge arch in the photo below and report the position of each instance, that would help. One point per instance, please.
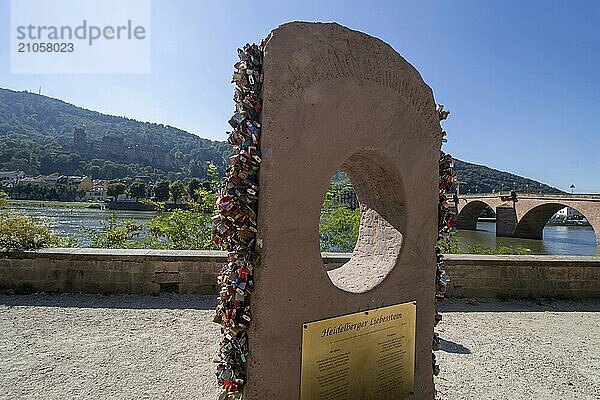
(470, 212)
(531, 224)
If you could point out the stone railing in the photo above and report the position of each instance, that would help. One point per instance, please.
(194, 272)
(595, 197)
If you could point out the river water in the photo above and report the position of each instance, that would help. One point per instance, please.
(77, 222)
(563, 240)
(557, 240)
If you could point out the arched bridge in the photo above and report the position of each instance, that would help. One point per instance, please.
(527, 216)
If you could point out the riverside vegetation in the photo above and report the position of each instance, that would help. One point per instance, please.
(190, 229)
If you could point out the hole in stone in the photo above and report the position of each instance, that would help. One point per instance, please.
(382, 221)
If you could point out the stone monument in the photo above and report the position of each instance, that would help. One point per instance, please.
(336, 98)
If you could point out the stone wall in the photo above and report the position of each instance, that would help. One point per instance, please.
(194, 272)
(523, 276)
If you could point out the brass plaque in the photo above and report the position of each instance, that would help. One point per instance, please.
(360, 356)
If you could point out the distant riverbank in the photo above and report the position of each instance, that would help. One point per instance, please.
(53, 204)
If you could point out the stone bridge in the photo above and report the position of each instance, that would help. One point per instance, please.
(527, 216)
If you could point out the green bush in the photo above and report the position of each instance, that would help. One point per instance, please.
(181, 230)
(116, 234)
(20, 232)
(479, 249)
(178, 230)
(453, 246)
(339, 223)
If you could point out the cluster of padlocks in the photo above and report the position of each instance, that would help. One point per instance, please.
(234, 227)
(446, 221)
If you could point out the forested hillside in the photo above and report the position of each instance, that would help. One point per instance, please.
(481, 179)
(38, 136)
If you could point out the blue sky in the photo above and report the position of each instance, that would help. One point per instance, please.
(520, 77)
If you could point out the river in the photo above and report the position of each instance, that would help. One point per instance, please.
(557, 240)
(76, 222)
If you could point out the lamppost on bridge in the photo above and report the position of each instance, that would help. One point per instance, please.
(572, 188)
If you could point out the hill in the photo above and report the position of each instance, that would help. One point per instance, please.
(39, 136)
(476, 178)
(43, 135)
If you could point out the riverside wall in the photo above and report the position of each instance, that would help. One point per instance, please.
(108, 271)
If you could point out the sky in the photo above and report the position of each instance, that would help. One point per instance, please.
(519, 77)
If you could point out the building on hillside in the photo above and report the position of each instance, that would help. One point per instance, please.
(113, 146)
(82, 182)
(80, 143)
(11, 176)
(97, 193)
(51, 180)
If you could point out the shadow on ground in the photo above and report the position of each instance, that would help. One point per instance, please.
(452, 347)
(163, 301)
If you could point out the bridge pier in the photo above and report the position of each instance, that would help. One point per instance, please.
(506, 221)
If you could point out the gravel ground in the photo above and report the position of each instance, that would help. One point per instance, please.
(107, 347)
(143, 347)
(519, 350)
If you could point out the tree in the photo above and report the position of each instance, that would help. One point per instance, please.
(115, 189)
(177, 190)
(137, 189)
(161, 190)
(193, 187)
(212, 181)
(339, 223)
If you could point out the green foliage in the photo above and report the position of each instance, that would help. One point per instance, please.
(207, 194)
(36, 136)
(114, 189)
(481, 179)
(451, 246)
(35, 191)
(117, 234)
(161, 190)
(181, 230)
(3, 200)
(339, 223)
(177, 190)
(454, 246)
(212, 175)
(20, 233)
(499, 250)
(206, 201)
(138, 190)
(193, 187)
(178, 230)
